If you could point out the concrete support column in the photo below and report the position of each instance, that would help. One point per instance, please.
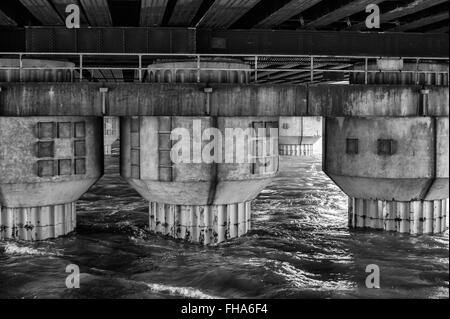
(46, 163)
(204, 197)
(400, 162)
(37, 223)
(415, 218)
(296, 150)
(206, 225)
(111, 132)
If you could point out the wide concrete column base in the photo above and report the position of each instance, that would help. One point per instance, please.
(415, 218)
(37, 223)
(206, 225)
(295, 150)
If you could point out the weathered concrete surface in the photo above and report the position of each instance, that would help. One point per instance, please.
(409, 174)
(37, 223)
(415, 218)
(440, 187)
(227, 100)
(232, 71)
(65, 74)
(398, 71)
(207, 225)
(146, 165)
(20, 183)
(46, 163)
(374, 100)
(300, 136)
(111, 133)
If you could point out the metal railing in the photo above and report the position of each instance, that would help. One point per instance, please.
(263, 68)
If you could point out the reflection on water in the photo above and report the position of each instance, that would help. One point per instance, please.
(300, 247)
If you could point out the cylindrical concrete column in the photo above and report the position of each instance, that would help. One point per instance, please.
(298, 135)
(395, 170)
(46, 163)
(200, 224)
(35, 71)
(204, 198)
(415, 218)
(111, 132)
(398, 72)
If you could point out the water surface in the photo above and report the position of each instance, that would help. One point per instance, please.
(300, 247)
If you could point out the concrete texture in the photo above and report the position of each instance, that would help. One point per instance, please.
(186, 72)
(300, 136)
(37, 223)
(197, 201)
(415, 218)
(46, 163)
(187, 99)
(407, 175)
(297, 150)
(65, 74)
(74, 163)
(190, 184)
(208, 225)
(395, 170)
(434, 75)
(111, 132)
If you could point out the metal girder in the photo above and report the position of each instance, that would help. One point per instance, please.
(281, 76)
(289, 10)
(43, 11)
(152, 12)
(316, 74)
(6, 21)
(410, 8)
(263, 75)
(252, 42)
(342, 12)
(440, 30)
(321, 43)
(223, 13)
(183, 12)
(422, 22)
(97, 12)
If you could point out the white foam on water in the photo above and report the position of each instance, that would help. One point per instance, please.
(14, 249)
(181, 291)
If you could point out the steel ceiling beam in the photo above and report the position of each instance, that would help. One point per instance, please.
(97, 12)
(152, 12)
(43, 11)
(287, 11)
(184, 12)
(422, 22)
(342, 12)
(6, 21)
(251, 42)
(399, 12)
(61, 5)
(223, 13)
(441, 29)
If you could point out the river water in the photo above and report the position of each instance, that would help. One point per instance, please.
(300, 247)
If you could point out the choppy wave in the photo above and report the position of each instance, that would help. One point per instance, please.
(14, 249)
(185, 292)
(299, 247)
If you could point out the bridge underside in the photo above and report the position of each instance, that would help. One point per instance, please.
(218, 64)
(217, 41)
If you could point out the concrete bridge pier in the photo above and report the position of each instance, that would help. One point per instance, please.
(300, 136)
(46, 163)
(206, 196)
(395, 170)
